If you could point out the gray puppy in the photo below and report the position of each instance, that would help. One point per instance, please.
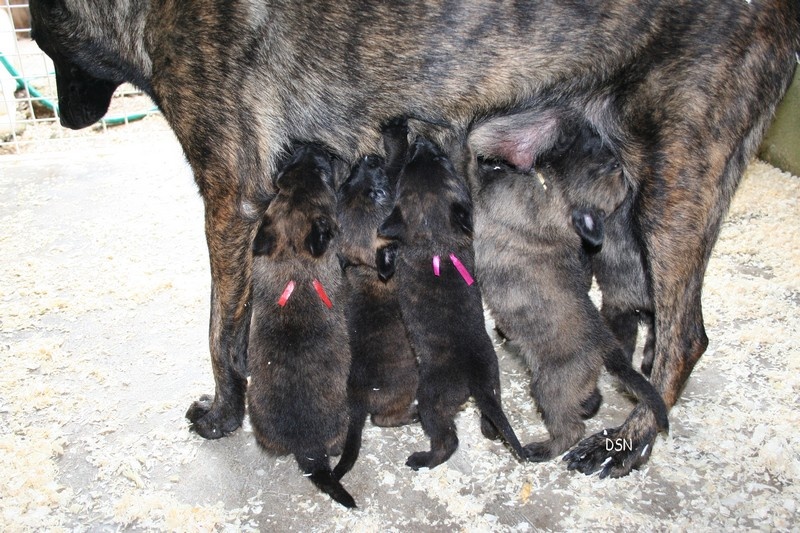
(588, 173)
(535, 274)
(298, 352)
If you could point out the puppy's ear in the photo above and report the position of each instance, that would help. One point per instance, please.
(265, 241)
(588, 224)
(461, 217)
(386, 261)
(322, 231)
(394, 227)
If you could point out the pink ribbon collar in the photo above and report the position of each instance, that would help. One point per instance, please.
(287, 292)
(456, 263)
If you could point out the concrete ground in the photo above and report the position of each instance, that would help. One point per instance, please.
(103, 317)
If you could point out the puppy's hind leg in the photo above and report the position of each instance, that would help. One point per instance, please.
(400, 416)
(591, 405)
(562, 418)
(439, 425)
(316, 466)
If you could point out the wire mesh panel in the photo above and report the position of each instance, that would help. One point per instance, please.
(29, 104)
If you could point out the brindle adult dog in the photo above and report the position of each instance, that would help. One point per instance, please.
(681, 90)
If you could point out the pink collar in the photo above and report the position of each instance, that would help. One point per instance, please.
(456, 263)
(317, 286)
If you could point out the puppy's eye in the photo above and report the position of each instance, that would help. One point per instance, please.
(377, 194)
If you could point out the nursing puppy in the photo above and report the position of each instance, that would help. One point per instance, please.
(298, 351)
(427, 248)
(383, 373)
(583, 166)
(534, 270)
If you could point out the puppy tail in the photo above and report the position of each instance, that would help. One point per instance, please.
(317, 468)
(489, 404)
(352, 445)
(619, 366)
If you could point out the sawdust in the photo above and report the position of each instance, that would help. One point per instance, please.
(103, 316)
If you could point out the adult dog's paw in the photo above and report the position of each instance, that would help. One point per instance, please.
(210, 421)
(617, 451)
(614, 452)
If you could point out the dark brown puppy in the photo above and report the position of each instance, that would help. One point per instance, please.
(298, 355)
(589, 174)
(384, 367)
(535, 274)
(383, 373)
(428, 250)
(682, 92)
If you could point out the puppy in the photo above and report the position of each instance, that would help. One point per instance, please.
(383, 373)
(583, 166)
(298, 351)
(535, 274)
(427, 248)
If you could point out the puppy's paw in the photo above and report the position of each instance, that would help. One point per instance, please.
(419, 460)
(538, 452)
(613, 452)
(393, 420)
(210, 421)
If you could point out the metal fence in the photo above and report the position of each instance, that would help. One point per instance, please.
(29, 104)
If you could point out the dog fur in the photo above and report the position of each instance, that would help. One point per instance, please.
(383, 373)
(443, 313)
(681, 91)
(298, 355)
(583, 167)
(535, 273)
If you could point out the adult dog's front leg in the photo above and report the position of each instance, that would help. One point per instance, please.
(228, 235)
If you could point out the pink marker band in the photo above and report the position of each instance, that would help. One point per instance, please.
(436, 262)
(322, 294)
(461, 269)
(286, 293)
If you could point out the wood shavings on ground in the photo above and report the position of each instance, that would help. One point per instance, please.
(103, 323)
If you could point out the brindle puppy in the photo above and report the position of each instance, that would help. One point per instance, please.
(428, 249)
(298, 355)
(383, 373)
(583, 166)
(535, 274)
